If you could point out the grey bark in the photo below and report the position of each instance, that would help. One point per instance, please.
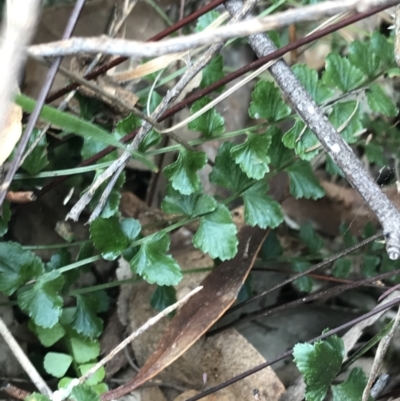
(334, 144)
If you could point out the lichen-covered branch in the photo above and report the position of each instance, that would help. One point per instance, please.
(334, 144)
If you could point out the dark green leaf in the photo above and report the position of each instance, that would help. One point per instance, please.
(213, 227)
(101, 300)
(108, 237)
(393, 72)
(267, 103)
(379, 102)
(42, 302)
(303, 183)
(341, 73)
(89, 107)
(155, 100)
(369, 230)
(313, 241)
(37, 159)
(227, 173)
(281, 155)
(47, 337)
(111, 236)
(342, 268)
(332, 168)
(100, 388)
(83, 349)
(57, 364)
(319, 363)
(206, 20)
(388, 265)
(58, 260)
(192, 205)
(163, 297)
(348, 238)
(211, 124)
(305, 283)
(183, 172)
(259, 208)
(362, 57)
(96, 377)
(153, 264)
(383, 48)
(17, 266)
(152, 138)
(132, 122)
(246, 290)
(213, 72)
(275, 37)
(309, 79)
(352, 389)
(252, 155)
(36, 397)
(84, 392)
(346, 116)
(85, 321)
(271, 248)
(127, 125)
(302, 140)
(369, 265)
(111, 207)
(5, 218)
(375, 154)
(130, 227)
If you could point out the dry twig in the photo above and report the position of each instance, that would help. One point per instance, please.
(379, 355)
(62, 394)
(24, 361)
(251, 26)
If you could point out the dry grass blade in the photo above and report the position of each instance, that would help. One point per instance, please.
(220, 289)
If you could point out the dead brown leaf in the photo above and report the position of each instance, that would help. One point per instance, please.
(113, 334)
(340, 205)
(222, 395)
(220, 289)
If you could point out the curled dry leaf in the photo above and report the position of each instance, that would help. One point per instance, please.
(11, 132)
(220, 289)
(340, 205)
(149, 67)
(223, 395)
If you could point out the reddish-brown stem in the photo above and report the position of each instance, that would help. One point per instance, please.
(228, 78)
(174, 28)
(14, 391)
